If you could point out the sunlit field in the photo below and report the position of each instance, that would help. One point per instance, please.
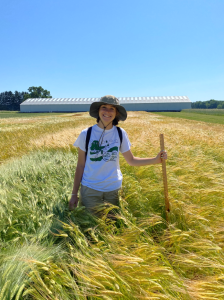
(202, 115)
(217, 112)
(49, 252)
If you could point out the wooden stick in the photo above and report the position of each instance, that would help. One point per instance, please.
(167, 205)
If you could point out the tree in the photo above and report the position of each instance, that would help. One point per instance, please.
(12, 101)
(198, 104)
(37, 92)
(212, 104)
(209, 104)
(221, 105)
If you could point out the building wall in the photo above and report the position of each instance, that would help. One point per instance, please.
(157, 106)
(85, 107)
(54, 107)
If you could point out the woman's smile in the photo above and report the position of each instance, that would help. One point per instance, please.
(107, 113)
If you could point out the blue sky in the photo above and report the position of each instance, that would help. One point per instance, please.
(87, 48)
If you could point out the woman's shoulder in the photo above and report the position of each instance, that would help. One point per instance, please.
(84, 131)
(122, 130)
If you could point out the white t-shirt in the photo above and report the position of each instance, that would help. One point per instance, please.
(102, 170)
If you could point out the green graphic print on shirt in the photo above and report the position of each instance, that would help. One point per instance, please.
(97, 152)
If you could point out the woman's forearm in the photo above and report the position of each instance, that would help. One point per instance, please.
(78, 178)
(137, 161)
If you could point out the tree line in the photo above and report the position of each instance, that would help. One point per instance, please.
(209, 104)
(12, 101)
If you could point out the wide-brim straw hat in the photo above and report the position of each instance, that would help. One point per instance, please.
(109, 99)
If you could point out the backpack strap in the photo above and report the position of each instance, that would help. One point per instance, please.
(89, 130)
(120, 134)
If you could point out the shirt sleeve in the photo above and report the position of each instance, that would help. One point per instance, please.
(125, 145)
(81, 140)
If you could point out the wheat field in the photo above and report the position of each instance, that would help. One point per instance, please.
(49, 252)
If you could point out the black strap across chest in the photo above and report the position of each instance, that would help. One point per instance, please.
(89, 130)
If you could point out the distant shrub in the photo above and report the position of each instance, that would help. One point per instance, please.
(209, 104)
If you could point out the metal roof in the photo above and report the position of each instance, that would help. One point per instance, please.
(157, 99)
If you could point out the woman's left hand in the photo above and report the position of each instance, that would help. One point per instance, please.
(161, 156)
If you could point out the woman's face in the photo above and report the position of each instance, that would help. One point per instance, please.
(107, 113)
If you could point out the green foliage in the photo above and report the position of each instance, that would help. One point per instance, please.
(201, 115)
(217, 112)
(209, 104)
(18, 114)
(18, 138)
(49, 252)
(31, 193)
(221, 105)
(37, 92)
(11, 101)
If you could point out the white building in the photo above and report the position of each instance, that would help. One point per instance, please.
(168, 103)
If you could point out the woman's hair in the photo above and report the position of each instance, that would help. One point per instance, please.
(115, 121)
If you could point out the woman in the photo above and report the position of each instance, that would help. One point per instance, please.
(98, 170)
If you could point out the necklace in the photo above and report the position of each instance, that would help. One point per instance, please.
(102, 135)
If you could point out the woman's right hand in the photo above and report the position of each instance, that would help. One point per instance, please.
(73, 202)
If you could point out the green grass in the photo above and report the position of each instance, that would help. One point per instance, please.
(48, 252)
(17, 114)
(217, 112)
(201, 116)
(24, 130)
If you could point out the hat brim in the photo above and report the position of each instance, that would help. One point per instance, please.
(94, 110)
